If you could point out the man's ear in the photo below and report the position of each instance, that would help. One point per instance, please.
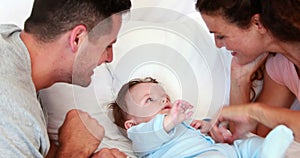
(77, 36)
(256, 21)
(129, 123)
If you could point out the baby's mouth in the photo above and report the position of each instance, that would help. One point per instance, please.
(167, 107)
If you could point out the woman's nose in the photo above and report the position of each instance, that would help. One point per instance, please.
(219, 43)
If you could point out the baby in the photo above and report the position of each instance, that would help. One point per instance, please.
(157, 127)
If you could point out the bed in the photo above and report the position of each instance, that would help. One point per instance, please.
(154, 38)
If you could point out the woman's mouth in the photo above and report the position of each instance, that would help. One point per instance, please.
(233, 53)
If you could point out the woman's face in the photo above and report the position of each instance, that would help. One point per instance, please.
(245, 44)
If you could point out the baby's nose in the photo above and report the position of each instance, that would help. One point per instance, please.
(165, 100)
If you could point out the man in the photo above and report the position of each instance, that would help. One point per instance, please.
(61, 42)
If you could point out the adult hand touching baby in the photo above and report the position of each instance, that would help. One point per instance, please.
(179, 113)
(109, 153)
(239, 115)
(79, 136)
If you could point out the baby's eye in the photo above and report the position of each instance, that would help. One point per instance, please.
(149, 100)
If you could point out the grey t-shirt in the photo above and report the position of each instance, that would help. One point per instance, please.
(22, 124)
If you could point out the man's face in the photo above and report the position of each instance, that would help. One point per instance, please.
(95, 50)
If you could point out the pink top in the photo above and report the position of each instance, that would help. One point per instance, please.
(283, 72)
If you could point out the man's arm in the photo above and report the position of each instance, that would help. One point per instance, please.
(79, 136)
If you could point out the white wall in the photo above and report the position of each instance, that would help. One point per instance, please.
(15, 11)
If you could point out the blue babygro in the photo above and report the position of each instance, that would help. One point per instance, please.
(151, 140)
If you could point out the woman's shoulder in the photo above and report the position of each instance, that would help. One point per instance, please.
(278, 62)
(282, 70)
(279, 58)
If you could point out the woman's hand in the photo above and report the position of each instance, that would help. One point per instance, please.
(240, 79)
(221, 134)
(240, 116)
(239, 72)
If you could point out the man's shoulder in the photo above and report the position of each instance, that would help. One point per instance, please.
(7, 29)
(6, 33)
(14, 56)
(8, 36)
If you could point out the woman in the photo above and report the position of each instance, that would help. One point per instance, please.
(250, 29)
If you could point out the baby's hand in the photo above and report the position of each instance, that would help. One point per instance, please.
(179, 113)
(204, 126)
(197, 124)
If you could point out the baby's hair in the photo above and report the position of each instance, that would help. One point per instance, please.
(119, 106)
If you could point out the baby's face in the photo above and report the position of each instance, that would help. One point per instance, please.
(145, 100)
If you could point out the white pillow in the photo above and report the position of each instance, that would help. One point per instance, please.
(179, 53)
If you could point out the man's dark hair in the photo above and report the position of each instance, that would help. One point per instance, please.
(50, 18)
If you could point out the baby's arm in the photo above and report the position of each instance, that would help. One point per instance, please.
(179, 113)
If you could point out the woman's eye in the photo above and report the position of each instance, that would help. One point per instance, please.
(220, 37)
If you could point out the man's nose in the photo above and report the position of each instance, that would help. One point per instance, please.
(109, 57)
